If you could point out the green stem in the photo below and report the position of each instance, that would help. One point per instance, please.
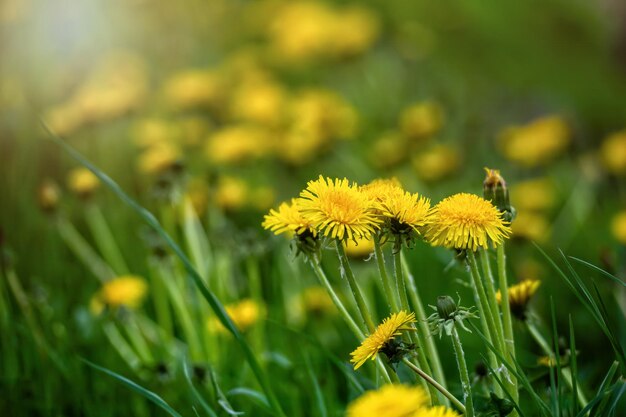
(566, 373)
(485, 315)
(458, 404)
(380, 261)
(104, 239)
(160, 298)
(491, 294)
(509, 338)
(358, 296)
(426, 339)
(464, 374)
(400, 287)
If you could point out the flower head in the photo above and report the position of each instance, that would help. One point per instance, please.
(405, 214)
(613, 153)
(287, 219)
(392, 400)
(519, 297)
(618, 227)
(438, 411)
(384, 333)
(466, 221)
(244, 314)
(83, 182)
(338, 209)
(126, 290)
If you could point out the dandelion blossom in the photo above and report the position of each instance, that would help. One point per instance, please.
(406, 211)
(392, 400)
(466, 221)
(126, 290)
(287, 219)
(437, 411)
(338, 209)
(519, 297)
(385, 332)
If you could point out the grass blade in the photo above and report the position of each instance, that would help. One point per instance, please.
(149, 395)
(600, 270)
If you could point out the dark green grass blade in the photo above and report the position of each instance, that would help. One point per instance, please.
(194, 392)
(555, 384)
(600, 270)
(317, 391)
(602, 391)
(256, 396)
(501, 384)
(213, 301)
(149, 395)
(517, 372)
(573, 366)
(617, 396)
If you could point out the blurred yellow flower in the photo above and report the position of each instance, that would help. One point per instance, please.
(262, 197)
(352, 32)
(259, 101)
(533, 195)
(82, 181)
(48, 195)
(613, 153)
(238, 143)
(317, 302)
(195, 88)
(197, 192)
(618, 227)
(421, 121)
(126, 290)
(298, 147)
(391, 327)
(466, 221)
(436, 163)
(519, 296)
(359, 248)
(231, 193)
(531, 226)
(287, 219)
(244, 314)
(392, 400)
(537, 142)
(153, 131)
(338, 209)
(159, 159)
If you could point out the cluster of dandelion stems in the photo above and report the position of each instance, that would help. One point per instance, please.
(331, 212)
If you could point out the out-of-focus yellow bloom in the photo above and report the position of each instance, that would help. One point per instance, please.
(390, 401)
(82, 181)
(613, 153)
(421, 121)
(436, 163)
(193, 130)
(537, 142)
(231, 193)
(238, 143)
(388, 150)
(359, 248)
(159, 159)
(304, 30)
(531, 226)
(391, 327)
(244, 314)
(195, 88)
(262, 198)
(259, 101)
(198, 194)
(323, 114)
(466, 221)
(48, 195)
(317, 302)
(618, 227)
(519, 296)
(298, 147)
(533, 195)
(126, 290)
(338, 209)
(64, 119)
(154, 131)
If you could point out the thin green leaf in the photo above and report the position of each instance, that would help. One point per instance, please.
(554, 383)
(207, 408)
(600, 270)
(573, 365)
(213, 301)
(149, 395)
(256, 396)
(608, 378)
(495, 376)
(317, 391)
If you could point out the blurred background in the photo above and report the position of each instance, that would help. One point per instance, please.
(235, 105)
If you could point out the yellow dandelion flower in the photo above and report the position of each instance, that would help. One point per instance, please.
(231, 193)
(618, 227)
(388, 150)
(338, 209)
(421, 121)
(259, 101)
(380, 188)
(195, 88)
(392, 400)
(287, 219)
(126, 290)
(317, 302)
(519, 296)
(238, 143)
(437, 411)
(391, 327)
(537, 142)
(466, 221)
(613, 153)
(159, 159)
(406, 211)
(244, 314)
(436, 163)
(531, 226)
(48, 195)
(82, 181)
(535, 194)
(359, 248)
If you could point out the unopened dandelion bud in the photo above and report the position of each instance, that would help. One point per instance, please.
(496, 191)
(446, 307)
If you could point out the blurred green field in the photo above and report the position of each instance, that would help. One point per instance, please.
(211, 114)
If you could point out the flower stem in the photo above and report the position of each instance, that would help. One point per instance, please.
(104, 239)
(380, 261)
(425, 338)
(358, 296)
(465, 379)
(509, 339)
(435, 384)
